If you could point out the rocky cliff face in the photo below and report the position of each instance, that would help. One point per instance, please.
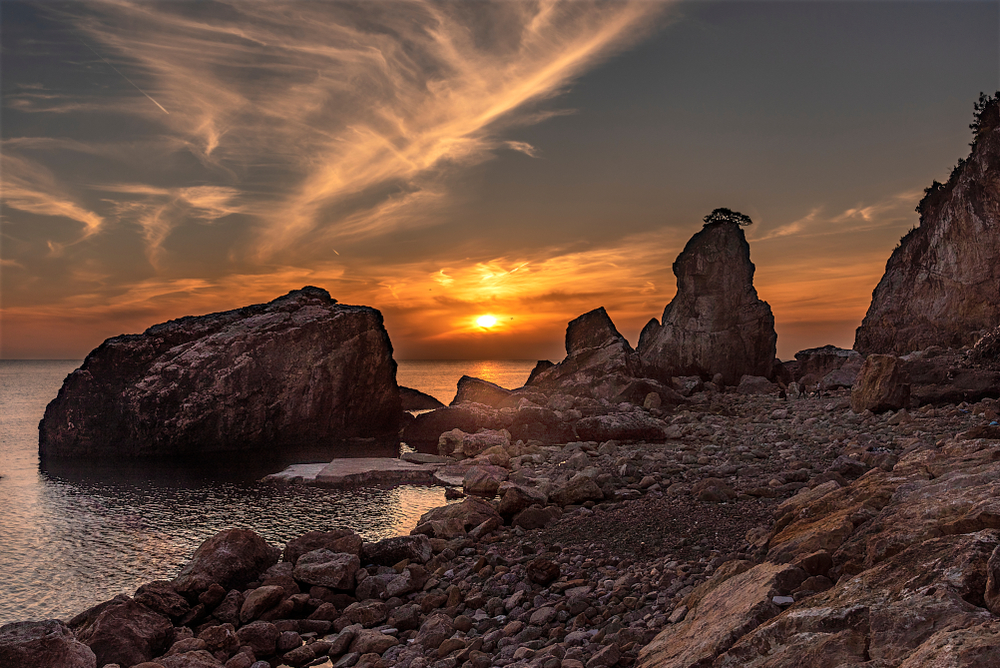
(942, 283)
(300, 370)
(715, 323)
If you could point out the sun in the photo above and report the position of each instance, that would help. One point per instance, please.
(486, 321)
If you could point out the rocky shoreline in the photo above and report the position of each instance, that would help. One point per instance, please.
(773, 504)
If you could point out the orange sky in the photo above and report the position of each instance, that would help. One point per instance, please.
(441, 161)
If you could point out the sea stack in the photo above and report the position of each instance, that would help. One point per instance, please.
(301, 370)
(942, 282)
(715, 324)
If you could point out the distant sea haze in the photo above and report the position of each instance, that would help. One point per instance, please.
(76, 535)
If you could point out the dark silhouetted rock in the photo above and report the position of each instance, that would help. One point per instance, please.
(123, 631)
(880, 386)
(391, 551)
(715, 323)
(415, 400)
(423, 433)
(480, 391)
(299, 371)
(43, 644)
(599, 362)
(942, 282)
(231, 558)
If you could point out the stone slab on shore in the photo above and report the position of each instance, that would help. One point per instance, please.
(355, 471)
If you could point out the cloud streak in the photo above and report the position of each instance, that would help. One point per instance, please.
(359, 112)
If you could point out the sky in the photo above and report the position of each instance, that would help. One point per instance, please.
(441, 161)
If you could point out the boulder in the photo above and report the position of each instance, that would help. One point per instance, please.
(715, 323)
(161, 597)
(515, 498)
(434, 631)
(536, 517)
(599, 362)
(231, 558)
(301, 370)
(259, 600)
(338, 540)
(578, 489)
(942, 282)
(260, 637)
(335, 570)
(123, 631)
(468, 513)
(43, 644)
(484, 480)
(880, 386)
(470, 445)
(479, 391)
(391, 551)
(415, 400)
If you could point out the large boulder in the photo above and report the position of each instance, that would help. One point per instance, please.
(940, 376)
(715, 323)
(942, 282)
(231, 558)
(599, 362)
(335, 570)
(43, 644)
(301, 370)
(880, 386)
(337, 540)
(123, 631)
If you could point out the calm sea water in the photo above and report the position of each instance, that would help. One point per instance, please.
(72, 535)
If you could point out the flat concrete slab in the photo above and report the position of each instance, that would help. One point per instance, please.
(357, 471)
(301, 474)
(352, 472)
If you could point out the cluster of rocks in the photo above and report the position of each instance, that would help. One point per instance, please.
(758, 522)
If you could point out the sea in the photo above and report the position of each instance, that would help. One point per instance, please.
(74, 535)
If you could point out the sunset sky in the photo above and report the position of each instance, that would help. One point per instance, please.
(442, 161)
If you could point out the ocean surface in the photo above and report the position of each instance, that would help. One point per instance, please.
(72, 535)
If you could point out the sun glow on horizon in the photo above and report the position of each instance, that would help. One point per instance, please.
(486, 321)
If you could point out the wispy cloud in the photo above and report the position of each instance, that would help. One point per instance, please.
(29, 186)
(361, 111)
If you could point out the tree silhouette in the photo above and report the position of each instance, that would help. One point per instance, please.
(728, 216)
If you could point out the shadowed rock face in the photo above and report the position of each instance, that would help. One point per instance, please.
(942, 283)
(599, 362)
(715, 323)
(301, 370)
